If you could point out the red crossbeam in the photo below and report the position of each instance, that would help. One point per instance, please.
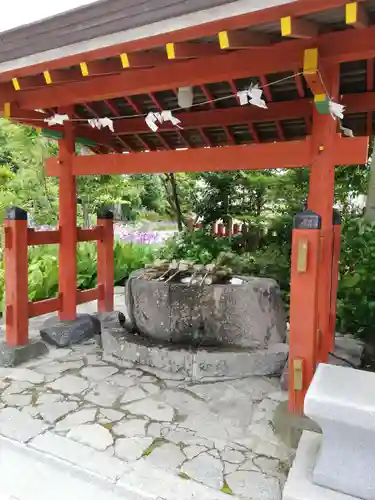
(43, 307)
(292, 154)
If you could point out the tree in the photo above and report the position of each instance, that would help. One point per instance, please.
(98, 191)
(152, 194)
(22, 153)
(179, 193)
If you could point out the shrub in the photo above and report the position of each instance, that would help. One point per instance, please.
(356, 294)
(197, 246)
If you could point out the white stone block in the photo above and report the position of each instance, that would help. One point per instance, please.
(299, 485)
(342, 401)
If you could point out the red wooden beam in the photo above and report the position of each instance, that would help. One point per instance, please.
(43, 237)
(226, 116)
(280, 131)
(266, 89)
(258, 17)
(113, 147)
(93, 234)
(254, 133)
(298, 28)
(143, 59)
(159, 108)
(242, 39)
(230, 137)
(301, 108)
(84, 296)
(115, 112)
(299, 85)
(205, 136)
(333, 47)
(291, 154)
(356, 15)
(82, 130)
(43, 307)
(189, 50)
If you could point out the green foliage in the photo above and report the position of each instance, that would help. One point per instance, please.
(43, 267)
(22, 179)
(356, 295)
(198, 246)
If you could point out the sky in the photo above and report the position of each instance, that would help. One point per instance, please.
(28, 11)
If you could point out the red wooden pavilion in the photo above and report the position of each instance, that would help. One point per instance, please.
(122, 59)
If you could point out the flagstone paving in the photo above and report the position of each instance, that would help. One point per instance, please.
(76, 406)
(86, 410)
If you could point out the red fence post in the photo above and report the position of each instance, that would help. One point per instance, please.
(16, 277)
(106, 264)
(235, 229)
(303, 339)
(228, 229)
(220, 231)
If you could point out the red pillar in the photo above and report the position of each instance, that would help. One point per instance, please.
(67, 224)
(106, 263)
(321, 200)
(16, 277)
(220, 230)
(303, 298)
(235, 229)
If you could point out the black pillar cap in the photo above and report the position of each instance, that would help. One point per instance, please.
(105, 214)
(15, 213)
(336, 219)
(307, 220)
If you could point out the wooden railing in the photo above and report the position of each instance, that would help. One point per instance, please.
(18, 237)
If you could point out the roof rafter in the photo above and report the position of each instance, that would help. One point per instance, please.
(334, 48)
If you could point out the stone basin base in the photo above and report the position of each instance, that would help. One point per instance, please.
(193, 363)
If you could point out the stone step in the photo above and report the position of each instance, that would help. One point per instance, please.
(29, 474)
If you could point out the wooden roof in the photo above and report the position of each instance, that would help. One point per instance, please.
(257, 52)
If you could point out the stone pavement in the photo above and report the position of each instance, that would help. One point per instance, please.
(74, 405)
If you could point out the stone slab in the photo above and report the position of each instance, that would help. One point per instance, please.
(45, 477)
(15, 355)
(155, 483)
(194, 364)
(19, 426)
(342, 401)
(65, 333)
(79, 454)
(299, 485)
